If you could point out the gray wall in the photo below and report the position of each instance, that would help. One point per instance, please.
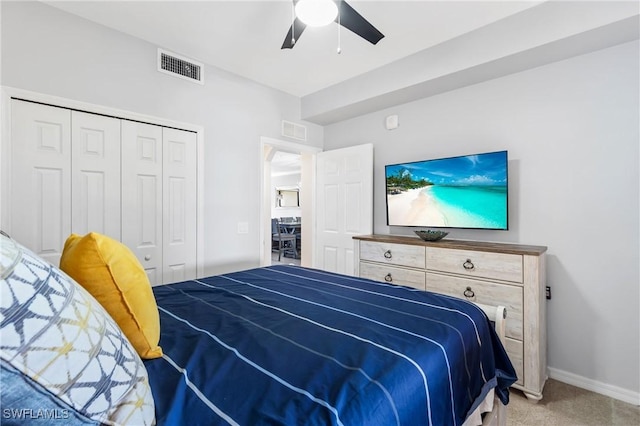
(571, 129)
(48, 51)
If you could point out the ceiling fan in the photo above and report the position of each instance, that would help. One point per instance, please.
(343, 14)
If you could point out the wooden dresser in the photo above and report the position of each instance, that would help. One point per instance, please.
(490, 273)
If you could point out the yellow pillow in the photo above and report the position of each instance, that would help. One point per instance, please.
(108, 270)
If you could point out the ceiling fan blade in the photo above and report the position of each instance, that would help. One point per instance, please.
(352, 20)
(296, 30)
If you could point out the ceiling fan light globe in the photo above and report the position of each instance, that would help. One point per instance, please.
(316, 13)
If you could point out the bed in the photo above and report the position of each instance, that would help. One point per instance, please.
(289, 345)
(278, 345)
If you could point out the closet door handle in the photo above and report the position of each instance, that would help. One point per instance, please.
(388, 278)
(387, 254)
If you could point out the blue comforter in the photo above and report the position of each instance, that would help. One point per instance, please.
(286, 345)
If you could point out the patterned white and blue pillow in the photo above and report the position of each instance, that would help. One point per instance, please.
(63, 357)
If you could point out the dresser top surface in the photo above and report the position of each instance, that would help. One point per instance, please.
(457, 244)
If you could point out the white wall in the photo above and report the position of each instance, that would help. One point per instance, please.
(572, 132)
(48, 51)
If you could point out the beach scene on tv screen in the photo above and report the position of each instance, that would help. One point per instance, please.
(460, 192)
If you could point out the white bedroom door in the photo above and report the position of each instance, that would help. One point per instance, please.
(344, 205)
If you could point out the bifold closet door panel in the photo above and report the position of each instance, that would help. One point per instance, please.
(40, 211)
(179, 200)
(142, 195)
(95, 174)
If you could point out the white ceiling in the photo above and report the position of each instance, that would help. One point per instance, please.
(244, 37)
(285, 163)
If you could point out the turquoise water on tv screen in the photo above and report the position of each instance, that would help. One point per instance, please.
(472, 206)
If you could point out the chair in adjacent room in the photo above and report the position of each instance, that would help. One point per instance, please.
(282, 240)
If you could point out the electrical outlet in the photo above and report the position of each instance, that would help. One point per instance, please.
(548, 292)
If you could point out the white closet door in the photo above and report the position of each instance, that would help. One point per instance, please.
(95, 173)
(142, 195)
(179, 201)
(40, 177)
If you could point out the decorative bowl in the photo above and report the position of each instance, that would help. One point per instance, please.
(431, 235)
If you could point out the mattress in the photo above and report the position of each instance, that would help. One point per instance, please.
(291, 345)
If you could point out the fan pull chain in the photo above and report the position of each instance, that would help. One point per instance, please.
(339, 25)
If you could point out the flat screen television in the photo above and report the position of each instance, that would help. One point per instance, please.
(468, 191)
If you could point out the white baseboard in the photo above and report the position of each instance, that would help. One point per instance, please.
(615, 392)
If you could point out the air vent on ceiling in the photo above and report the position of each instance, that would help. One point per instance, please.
(293, 130)
(178, 66)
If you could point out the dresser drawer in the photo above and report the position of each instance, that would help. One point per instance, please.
(509, 296)
(393, 275)
(395, 254)
(497, 266)
(515, 350)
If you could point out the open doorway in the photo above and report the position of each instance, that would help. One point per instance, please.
(289, 168)
(286, 212)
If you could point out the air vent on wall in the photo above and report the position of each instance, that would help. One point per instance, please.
(293, 130)
(178, 66)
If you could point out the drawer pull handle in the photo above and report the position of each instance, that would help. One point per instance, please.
(388, 277)
(387, 254)
(469, 293)
(468, 265)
